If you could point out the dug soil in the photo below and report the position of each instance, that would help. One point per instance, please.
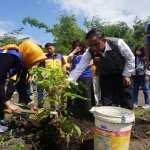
(46, 135)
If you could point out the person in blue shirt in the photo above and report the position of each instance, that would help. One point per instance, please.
(78, 50)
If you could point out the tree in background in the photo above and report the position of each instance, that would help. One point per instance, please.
(67, 30)
(139, 31)
(118, 29)
(132, 37)
(12, 38)
(64, 32)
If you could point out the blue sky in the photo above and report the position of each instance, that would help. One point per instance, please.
(12, 13)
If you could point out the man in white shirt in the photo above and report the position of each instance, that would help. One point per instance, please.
(115, 62)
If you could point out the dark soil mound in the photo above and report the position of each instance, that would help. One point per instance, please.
(45, 135)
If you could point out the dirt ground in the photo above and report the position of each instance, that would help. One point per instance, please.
(45, 135)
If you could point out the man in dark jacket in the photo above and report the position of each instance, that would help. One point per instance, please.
(115, 62)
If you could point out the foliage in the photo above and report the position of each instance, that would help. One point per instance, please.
(64, 32)
(142, 112)
(139, 27)
(12, 38)
(58, 90)
(132, 37)
(2, 142)
(18, 147)
(117, 30)
(34, 22)
(67, 30)
(14, 146)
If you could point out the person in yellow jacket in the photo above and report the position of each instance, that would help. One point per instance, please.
(53, 60)
(17, 60)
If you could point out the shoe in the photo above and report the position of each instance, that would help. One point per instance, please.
(4, 122)
(135, 106)
(3, 128)
(93, 109)
(146, 106)
(15, 92)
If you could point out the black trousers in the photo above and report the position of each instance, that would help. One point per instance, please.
(87, 93)
(9, 92)
(113, 91)
(10, 88)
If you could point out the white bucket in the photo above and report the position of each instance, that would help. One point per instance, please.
(112, 128)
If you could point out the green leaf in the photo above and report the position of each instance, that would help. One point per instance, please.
(77, 129)
(65, 112)
(41, 110)
(39, 116)
(47, 112)
(63, 119)
(32, 116)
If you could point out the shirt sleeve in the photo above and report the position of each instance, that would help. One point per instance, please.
(85, 60)
(128, 56)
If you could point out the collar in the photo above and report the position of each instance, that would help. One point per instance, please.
(107, 48)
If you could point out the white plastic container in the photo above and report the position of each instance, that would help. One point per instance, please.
(112, 128)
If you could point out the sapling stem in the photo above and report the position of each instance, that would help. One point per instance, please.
(85, 134)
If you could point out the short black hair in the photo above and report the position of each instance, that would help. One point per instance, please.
(95, 32)
(49, 44)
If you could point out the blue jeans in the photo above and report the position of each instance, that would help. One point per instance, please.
(40, 91)
(137, 81)
(31, 91)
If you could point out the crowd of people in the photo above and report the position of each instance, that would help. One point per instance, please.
(111, 72)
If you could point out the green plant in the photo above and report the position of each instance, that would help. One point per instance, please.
(11, 134)
(142, 112)
(2, 142)
(58, 91)
(18, 147)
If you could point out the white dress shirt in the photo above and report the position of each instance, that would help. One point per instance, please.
(124, 50)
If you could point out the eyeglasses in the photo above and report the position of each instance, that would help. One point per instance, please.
(95, 44)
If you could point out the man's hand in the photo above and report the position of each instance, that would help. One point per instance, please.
(32, 106)
(63, 87)
(30, 80)
(7, 80)
(126, 81)
(13, 107)
(146, 78)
